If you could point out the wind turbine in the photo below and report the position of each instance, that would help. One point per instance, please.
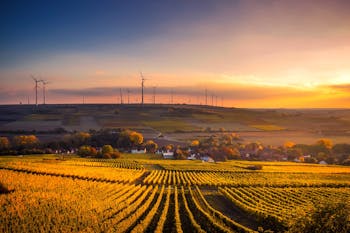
(121, 95)
(154, 94)
(171, 96)
(142, 87)
(44, 89)
(128, 91)
(36, 88)
(206, 96)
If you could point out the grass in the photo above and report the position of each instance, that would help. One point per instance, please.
(43, 117)
(208, 117)
(170, 126)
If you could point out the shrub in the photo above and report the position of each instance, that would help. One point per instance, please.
(326, 217)
(3, 189)
(255, 167)
(107, 156)
(87, 151)
(107, 149)
(116, 154)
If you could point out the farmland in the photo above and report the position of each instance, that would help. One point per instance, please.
(180, 122)
(136, 194)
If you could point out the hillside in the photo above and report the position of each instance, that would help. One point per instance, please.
(180, 122)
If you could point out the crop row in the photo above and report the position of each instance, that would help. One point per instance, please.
(277, 207)
(54, 204)
(88, 173)
(113, 163)
(246, 179)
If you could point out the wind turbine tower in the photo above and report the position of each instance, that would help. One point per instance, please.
(142, 87)
(128, 91)
(206, 97)
(36, 88)
(154, 95)
(121, 96)
(172, 96)
(44, 89)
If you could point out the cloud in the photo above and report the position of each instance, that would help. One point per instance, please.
(341, 87)
(228, 91)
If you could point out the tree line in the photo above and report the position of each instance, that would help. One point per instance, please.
(106, 143)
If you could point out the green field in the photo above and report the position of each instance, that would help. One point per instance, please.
(143, 193)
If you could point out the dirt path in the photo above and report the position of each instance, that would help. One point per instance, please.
(225, 206)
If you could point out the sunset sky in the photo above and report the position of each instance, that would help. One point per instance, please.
(254, 54)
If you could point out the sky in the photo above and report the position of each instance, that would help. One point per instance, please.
(250, 54)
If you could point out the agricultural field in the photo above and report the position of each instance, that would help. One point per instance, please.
(49, 193)
(180, 122)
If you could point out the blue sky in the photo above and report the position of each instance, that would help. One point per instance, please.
(33, 29)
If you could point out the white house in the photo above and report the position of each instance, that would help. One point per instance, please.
(136, 151)
(168, 155)
(192, 157)
(207, 159)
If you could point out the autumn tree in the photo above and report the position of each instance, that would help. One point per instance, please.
(129, 138)
(136, 138)
(107, 149)
(325, 142)
(231, 152)
(195, 143)
(25, 141)
(169, 147)
(87, 151)
(195, 146)
(151, 146)
(288, 144)
(77, 139)
(4, 144)
(109, 152)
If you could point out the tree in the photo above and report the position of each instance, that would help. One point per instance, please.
(128, 138)
(25, 141)
(179, 153)
(326, 217)
(116, 154)
(87, 151)
(288, 144)
(136, 138)
(293, 153)
(4, 143)
(151, 146)
(195, 143)
(326, 143)
(107, 149)
(231, 153)
(77, 139)
(169, 147)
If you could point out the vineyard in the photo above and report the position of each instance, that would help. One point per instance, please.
(47, 194)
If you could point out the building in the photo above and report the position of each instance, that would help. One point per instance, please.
(137, 151)
(168, 155)
(207, 159)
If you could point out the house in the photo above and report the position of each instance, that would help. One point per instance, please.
(168, 155)
(137, 151)
(207, 159)
(192, 157)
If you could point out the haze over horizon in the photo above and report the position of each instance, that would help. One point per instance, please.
(261, 54)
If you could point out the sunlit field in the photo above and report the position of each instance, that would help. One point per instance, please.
(134, 194)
